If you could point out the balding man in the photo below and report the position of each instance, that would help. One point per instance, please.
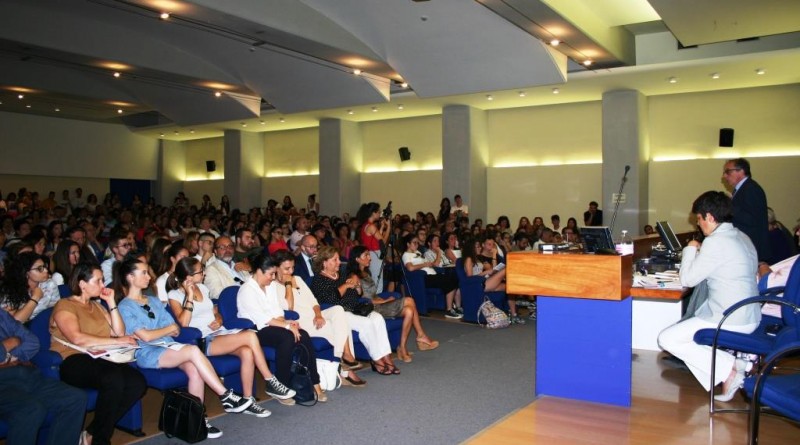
(302, 265)
(224, 272)
(749, 206)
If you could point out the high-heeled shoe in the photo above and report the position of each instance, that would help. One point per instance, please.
(427, 345)
(404, 356)
(381, 369)
(355, 365)
(348, 380)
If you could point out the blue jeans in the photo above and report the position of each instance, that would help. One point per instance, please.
(28, 398)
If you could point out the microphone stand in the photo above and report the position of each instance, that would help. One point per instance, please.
(616, 206)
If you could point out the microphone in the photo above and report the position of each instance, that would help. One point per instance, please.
(616, 206)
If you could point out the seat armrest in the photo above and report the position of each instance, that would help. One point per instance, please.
(753, 300)
(188, 335)
(324, 306)
(48, 363)
(291, 315)
(239, 323)
(772, 291)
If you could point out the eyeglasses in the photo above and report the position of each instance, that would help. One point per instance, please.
(310, 246)
(128, 245)
(224, 246)
(201, 271)
(39, 269)
(728, 171)
(150, 313)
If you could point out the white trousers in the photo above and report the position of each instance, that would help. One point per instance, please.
(336, 329)
(372, 332)
(678, 340)
(375, 266)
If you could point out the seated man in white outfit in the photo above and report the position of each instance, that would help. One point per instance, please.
(224, 272)
(727, 260)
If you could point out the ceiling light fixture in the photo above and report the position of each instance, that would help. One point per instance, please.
(715, 75)
(262, 122)
(57, 110)
(760, 71)
(20, 96)
(161, 134)
(217, 94)
(117, 74)
(400, 107)
(349, 111)
(357, 72)
(556, 91)
(521, 94)
(672, 79)
(177, 132)
(489, 97)
(374, 109)
(404, 85)
(191, 131)
(282, 120)
(244, 125)
(119, 111)
(555, 42)
(27, 106)
(587, 62)
(164, 15)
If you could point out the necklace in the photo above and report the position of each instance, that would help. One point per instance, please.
(332, 276)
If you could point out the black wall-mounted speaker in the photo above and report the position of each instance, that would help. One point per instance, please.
(726, 137)
(405, 153)
(211, 166)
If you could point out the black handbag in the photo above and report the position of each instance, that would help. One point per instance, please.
(300, 380)
(363, 308)
(183, 416)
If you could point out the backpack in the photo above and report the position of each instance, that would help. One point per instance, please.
(495, 318)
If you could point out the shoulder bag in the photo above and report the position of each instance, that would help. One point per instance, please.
(300, 380)
(183, 416)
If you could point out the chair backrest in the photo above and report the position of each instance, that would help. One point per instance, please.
(792, 294)
(64, 290)
(40, 326)
(460, 272)
(226, 303)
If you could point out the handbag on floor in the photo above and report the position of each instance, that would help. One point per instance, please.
(495, 318)
(300, 380)
(183, 416)
(329, 378)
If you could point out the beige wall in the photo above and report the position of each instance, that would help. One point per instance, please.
(46, 184)
(408, 191)
(52, 147)
(291, 153)
(422, 136)
(198, 152)
(297, 187)
(195, 190)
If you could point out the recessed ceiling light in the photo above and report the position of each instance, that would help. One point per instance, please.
(555, 42)
(282, 120)
(404, 85)
(217, 94)
(350, 112)
(57, 110)
(27, 106)
(177, 132)
(400, 106)
(164, 15)
(20, 96)
(119, 111)
(760, 71)
(116, 74)
(262, 122)
(357, 72)
(489, 97)
(374, 109)
(521, 94)
(161, 134)
(587, 62)
(715, 75)
(556, 91)
(672, 79)
(244, 125)
(191, 131)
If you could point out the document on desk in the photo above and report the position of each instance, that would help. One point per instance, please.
(658, 281)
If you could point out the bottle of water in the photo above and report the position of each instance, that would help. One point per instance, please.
(625, 244)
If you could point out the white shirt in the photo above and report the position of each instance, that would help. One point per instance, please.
(415, 259)
(203, 314)
(108, 270)
(258, 305)
(161, 287)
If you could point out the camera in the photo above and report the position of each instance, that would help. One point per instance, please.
(387, 212)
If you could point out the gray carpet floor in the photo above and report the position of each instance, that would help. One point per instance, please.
(445, 396)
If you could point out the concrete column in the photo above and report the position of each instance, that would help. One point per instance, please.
(244, 168)
(171, 171)
(340, 164)
(625, 142)
(465, 157)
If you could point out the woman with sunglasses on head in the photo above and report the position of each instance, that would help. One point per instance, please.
(27, 289)
(189, 301)
(146, 319)
(86, 323)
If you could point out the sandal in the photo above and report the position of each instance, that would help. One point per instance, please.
(427, 344)
(355, 365)
(381, 369)
(394, 370)
(404, 356)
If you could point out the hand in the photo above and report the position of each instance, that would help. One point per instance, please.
(214, 325)
(176, 330)
(319, 321)
(188, 287)
(388, 299)
(37, 293)
(295, 330)
(11, 343)
(238, 267)
(107, 295)
(127, 340)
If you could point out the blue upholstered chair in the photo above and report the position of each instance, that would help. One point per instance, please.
(49, 363)
(472, 295)
(64, 291)
(763, 340)
(781, 393)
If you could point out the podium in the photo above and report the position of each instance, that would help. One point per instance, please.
(584, 316)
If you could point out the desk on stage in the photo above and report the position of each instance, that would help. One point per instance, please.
(584, 322)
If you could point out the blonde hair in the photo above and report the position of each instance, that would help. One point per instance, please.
(323, 254)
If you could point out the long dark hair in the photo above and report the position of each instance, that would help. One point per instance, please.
(352, 264)
(121, 271)
(365, 211)
(183, 269)
(61, 258)
(14, 288)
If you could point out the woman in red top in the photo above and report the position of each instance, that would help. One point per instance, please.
(373, 230)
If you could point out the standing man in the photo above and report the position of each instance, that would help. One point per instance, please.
(461, 210)
(749, 206)
(28, 397)
(593, 216)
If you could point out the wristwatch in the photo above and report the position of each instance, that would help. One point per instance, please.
(8, 358)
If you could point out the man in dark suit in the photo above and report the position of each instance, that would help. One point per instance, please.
(302, 263)
(749, 205)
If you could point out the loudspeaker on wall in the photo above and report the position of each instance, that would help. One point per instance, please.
(405, 153)
(726, 137)
(211, 166)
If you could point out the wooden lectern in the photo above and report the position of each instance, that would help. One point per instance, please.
(584, 313)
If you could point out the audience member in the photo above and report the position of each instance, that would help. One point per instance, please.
(223, 271)
(593, 216)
